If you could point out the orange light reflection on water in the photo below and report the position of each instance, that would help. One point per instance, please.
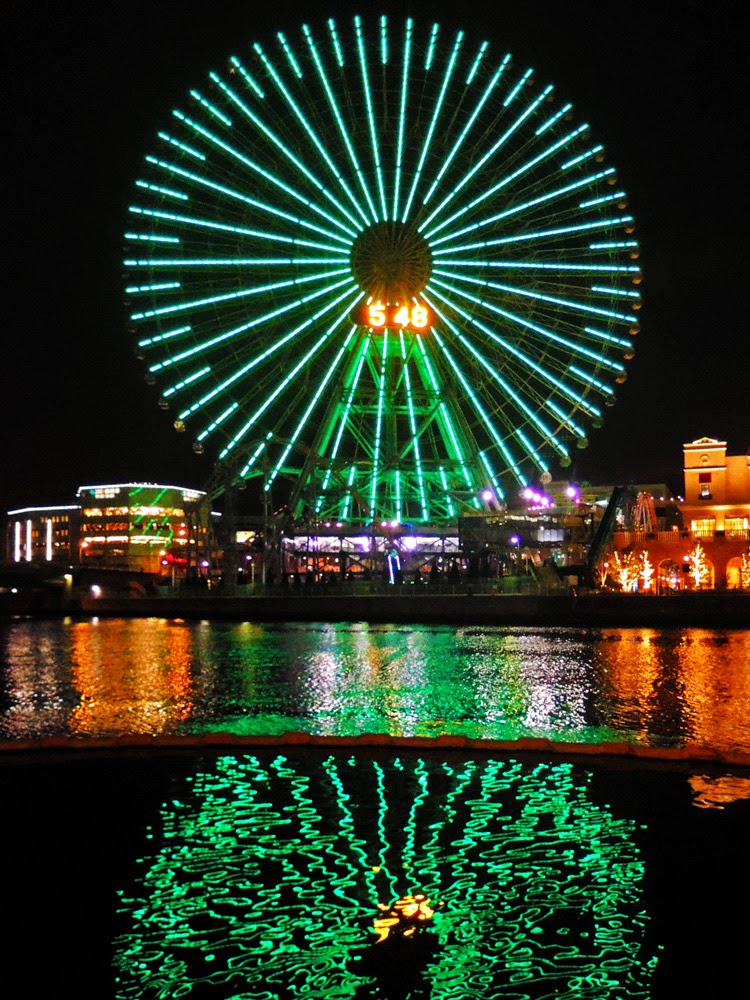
(699, 679)
(131, 678)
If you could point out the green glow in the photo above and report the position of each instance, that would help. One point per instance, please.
(302, 118)
(186, 381)
(510, 392)
(159, 338)
(216, 423)
(525, 359)
(414, 434)
(370, 115)
(378, 427)
(243, 294)
(526, 167)
(467, 127)
(487, 157)
(518, 87)
(335, 39)
(314, 401)
(260, 871)
(402, 117)
(582, 157)
(288, 378)
(182, 146)
(452, 438)
(290, 55)
(239, 196)
(249, 80)
(481, 411)
(159, 189)
(477, 61)
(548, 334)
(431, 47)
(564, 110)
(158, 287)
(249, 216)
(211, 108)
(330, 96)
(539, 234)
(434, 121)
(287, 189)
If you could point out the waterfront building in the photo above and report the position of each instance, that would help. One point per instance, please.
(628, 538)
(138, 527)
(43, 534)
(702, 545)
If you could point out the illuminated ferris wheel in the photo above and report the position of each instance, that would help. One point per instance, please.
(384, 269)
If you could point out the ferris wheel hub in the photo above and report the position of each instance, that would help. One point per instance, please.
(391, 261)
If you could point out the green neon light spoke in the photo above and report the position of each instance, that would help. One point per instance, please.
(378, 427)
(239, 196)
(488, 156)
(481, 411)
(433, 124)
(402, 116)
(574, 306)
(222, 227)
(532, 203)
(279, 388)
(370, 116)
(414, 435)
(466, 129)
(314, 402)
(510, 392)
(525, 359)
(302, 118)
(344, 132)
(267, 175)
(243, 294)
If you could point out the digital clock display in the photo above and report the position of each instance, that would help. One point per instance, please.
(393, 316)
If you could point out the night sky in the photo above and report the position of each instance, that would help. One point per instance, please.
(88, 86)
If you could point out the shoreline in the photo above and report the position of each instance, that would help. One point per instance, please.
(704, 609)
(222, 742)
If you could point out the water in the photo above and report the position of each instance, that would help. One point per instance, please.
(114, 677)
(257, 872)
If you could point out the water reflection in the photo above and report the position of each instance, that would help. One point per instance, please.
(263, 873)
(114, 677)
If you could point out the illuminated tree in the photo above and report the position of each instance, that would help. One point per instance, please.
(699, 568)
(625, 570)
(745, 571)
(384, 264)
(646, 571)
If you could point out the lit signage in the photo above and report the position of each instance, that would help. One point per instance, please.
(393, 316)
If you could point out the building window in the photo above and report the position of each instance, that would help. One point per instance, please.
(704, 482)
(703, 527)
(737, 526)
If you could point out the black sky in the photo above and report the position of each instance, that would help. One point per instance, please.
(663, 86)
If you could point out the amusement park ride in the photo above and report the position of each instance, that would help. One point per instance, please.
(384, 274)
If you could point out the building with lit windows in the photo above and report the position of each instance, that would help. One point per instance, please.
(142, 526)
(138, 527)
(706, 546)
(43, 534)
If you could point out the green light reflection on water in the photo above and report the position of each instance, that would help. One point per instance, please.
(263, 877)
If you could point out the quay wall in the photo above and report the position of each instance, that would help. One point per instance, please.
(709, 609)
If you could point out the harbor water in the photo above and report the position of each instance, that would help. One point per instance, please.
(233, 810)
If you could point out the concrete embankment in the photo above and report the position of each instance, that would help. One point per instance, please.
(707, 609)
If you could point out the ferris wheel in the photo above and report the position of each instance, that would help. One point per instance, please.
(384, 269)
